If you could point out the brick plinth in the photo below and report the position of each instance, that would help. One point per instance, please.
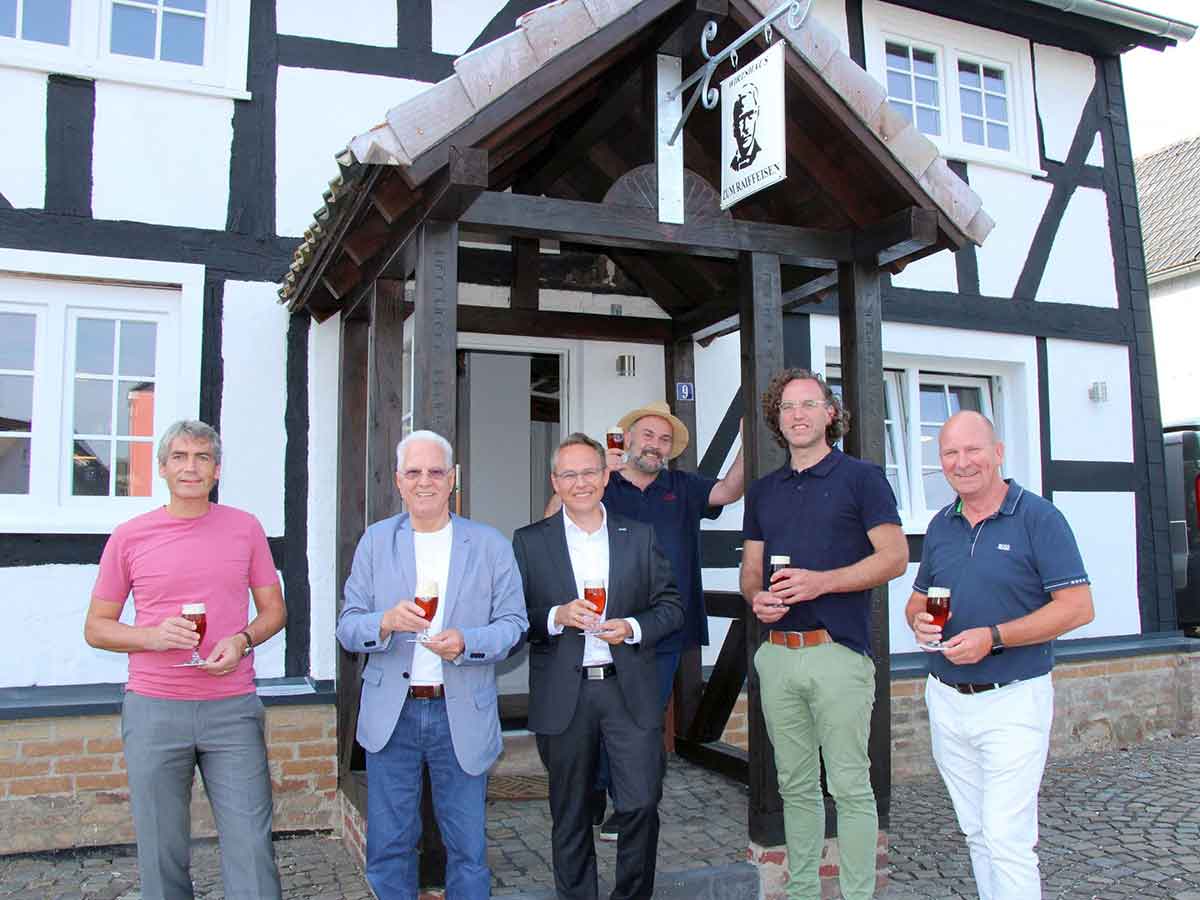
(771, 863)
(63, 781)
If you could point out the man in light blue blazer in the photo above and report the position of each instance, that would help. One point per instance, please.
(429, 685)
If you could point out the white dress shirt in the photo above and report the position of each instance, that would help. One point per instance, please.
(432, 550)
(589, 560)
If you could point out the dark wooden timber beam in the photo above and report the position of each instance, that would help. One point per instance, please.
(566, 325)
(605, 225)
(897, 237)
(526, 261)
(435, 331)
(705, 333)
(464, 179)
(385, 392)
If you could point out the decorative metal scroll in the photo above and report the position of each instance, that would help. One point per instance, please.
(710, 95)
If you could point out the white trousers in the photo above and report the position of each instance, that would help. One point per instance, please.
(990, 749)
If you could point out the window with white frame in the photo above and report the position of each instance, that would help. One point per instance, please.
(196, 45)
(916, 405)
(969, 89)
(86, 381)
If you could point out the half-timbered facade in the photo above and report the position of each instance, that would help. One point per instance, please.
(158, 175)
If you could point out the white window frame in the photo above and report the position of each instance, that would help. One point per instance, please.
(223, 74)
(951, 40)
(913, 45)
(57, 285)
(914, 378)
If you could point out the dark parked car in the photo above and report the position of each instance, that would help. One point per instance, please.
(1181, 444)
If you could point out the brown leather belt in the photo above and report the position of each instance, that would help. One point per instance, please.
(796, 640)
(966, 688)
(427, 691)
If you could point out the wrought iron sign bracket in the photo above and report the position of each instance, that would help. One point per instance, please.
(710, 95)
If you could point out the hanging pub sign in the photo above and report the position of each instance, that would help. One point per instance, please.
(753, 151)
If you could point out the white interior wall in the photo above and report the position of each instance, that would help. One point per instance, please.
(254, 330)
(23, 162)
(1084, 429)
(161, 156)
(497, 471)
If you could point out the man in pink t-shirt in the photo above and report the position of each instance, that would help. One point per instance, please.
(177, 715)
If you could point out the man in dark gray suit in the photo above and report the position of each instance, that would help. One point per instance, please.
(592, 671)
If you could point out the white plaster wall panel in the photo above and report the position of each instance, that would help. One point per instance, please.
(900, 637)
(456, 23)
(161, 156)
(306, 145)
(269, 656)
(23, 159)
(1175, 309)
(1016, 202)
(605, 396)
(42, 641)
(1080, 267)
(718, 380)
(253, 399)
(1106, 531)
(717, 580)
(351, 21)
(1095, 156)
(323, 368)
(933, 273)
(1064, 81)
(1082, 429)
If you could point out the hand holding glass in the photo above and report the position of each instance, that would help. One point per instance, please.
(594, 593)
(778, 564)
(427, 600)
(937, 604)
(194, 613)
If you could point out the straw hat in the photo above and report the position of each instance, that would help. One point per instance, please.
(679, 431)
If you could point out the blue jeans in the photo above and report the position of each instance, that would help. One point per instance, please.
(422, 735)
(667, 663)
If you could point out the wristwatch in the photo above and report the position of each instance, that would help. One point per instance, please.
(249, 643)
(997, 643)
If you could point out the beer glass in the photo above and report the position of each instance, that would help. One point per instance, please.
(427, 600)
(777, 564)
(937, 604)
(615, 438)
(594, 593)
(194, 613)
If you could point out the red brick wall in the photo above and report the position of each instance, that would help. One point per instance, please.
(63, 783)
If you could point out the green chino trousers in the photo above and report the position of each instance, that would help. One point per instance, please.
(821, 697)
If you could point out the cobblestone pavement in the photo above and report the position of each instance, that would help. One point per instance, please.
(1115, 825)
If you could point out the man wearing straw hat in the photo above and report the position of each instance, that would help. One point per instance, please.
(642, 487)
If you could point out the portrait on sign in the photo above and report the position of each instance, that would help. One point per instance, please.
(753, 152)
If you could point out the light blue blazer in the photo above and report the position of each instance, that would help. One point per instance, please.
(483, 599)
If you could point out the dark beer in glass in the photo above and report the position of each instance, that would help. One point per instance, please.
(195, 613)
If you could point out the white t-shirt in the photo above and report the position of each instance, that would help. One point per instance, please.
(433, 564)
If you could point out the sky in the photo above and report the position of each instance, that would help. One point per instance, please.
(1162, 90)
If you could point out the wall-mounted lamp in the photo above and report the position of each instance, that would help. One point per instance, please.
(626, 365)
(1098, 391)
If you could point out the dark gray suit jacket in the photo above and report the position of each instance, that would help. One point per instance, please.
(640, 586)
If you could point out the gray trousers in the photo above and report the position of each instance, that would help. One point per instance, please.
(164, 742)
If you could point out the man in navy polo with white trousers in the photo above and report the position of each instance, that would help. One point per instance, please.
(1016, 583)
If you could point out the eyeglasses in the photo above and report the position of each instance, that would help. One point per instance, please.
(788, 406)
(570, 476)
(414, 475)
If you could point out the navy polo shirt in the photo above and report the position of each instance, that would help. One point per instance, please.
(1002, 569)
(673, 504)
(820, 518)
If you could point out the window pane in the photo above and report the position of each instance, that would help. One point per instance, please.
(134, 468)
(48, 21)
(193, 5)
(968, 74)
(16, 340)
(899, 86)
(965, 398)
(930, 453)
(972, 130)
(94, 346)
(925, 63)
(937, 492)
(93, 407)
(997, 136)
(993, 80)
(933, 403)
(927, 91)
(133, 31)
(929, 121)
(8, 18)
(897, 56)
(971, 104)
(183, 39)
(997, 108)
(14, 465)
(137, 348)
(16, 402)
(135, 409)
(91, 463)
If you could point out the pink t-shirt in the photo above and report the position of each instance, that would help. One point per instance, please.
(167, 561)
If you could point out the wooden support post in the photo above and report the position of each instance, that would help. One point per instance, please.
(351, 520)
(760, 305)
(435, 335)
(526, 259)
(385, 395)
(860, 312)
